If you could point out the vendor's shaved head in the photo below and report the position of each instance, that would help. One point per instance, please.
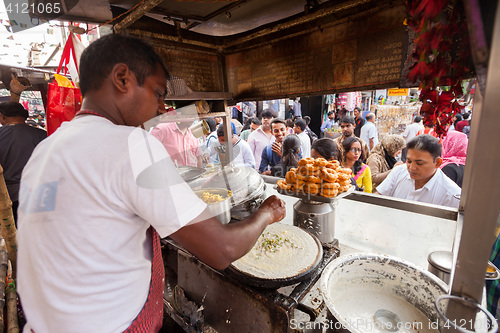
(98, 60)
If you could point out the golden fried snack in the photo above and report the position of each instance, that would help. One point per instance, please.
(328, 175)
(283, 185)
(293, 170)
(301, 177)
(320, 162)
(347, 171)
(291, 177)
(305, 161)
(299, 185)
(330, 186)
(329, 193)
(343, 188)
(309, 168)
(312, 188)
(343, 176)
(345, 182)
(333, 164)
(314, 179)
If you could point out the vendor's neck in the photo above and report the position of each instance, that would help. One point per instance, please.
(421, 182)
(108, 113)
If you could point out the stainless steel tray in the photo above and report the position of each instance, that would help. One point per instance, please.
(316, 198)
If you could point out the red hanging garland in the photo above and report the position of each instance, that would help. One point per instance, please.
(442, 57)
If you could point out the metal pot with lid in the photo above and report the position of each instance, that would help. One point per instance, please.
(246, 185)
(441, 263)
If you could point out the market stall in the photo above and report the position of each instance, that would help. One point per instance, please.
(361, 45)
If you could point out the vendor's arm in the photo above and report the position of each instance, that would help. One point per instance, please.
(218, 245)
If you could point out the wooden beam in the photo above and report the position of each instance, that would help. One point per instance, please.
(136, 14)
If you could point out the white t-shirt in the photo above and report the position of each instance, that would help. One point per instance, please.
(439, 190)
(369, 131)
(306, 144)
(243, 154)
(411, 131)
(88, 195)
(258, 140)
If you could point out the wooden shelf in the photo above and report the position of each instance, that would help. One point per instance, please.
(166, 118)
(207, 96)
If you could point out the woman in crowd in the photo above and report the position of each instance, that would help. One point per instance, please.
(352, 158)
(383, 157)
(454, 153)
(325, 148)
(290, 148)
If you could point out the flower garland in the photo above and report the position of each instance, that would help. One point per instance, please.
(442, 58)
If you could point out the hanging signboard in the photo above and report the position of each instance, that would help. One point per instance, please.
(398, 92)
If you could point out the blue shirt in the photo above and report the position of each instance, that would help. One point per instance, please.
(327, 124)
(268, 158)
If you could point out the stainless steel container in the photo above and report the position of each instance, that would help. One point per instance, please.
(317, 218)
(246, 185)
(441, 263)
(222, 209)
(368, 292)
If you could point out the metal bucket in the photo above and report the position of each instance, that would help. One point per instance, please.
(222, 209)
(370, 293)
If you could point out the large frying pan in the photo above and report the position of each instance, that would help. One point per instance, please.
(263, 283)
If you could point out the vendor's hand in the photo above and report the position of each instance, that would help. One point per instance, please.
(399, 163)
(276, 147)
(276, 207)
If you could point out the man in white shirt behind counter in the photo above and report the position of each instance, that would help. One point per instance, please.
(421, 179)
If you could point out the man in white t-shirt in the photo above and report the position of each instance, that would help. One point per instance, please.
(95, 195)
(300, 130)
(242, 154)
(369, 133)
(421, 179)
(262, 136)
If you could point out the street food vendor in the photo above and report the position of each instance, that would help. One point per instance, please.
(96, 194)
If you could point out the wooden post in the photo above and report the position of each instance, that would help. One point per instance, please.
(3, 274)
(11, 302)
(7, 224)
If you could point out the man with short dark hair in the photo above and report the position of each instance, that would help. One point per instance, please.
(329, 122)
(254, 124)
(300, 130)
(347, 125)
(462, 123)
(242, 154)
(421, 179)
(369, 133)
(262, 136)
(358, 118)
(271, 155)
(18, 140)
(97, 194)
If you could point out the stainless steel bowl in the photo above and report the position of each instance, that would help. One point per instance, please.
(222, 209)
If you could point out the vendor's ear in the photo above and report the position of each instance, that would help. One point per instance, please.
(438, 162)
(121, 77)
